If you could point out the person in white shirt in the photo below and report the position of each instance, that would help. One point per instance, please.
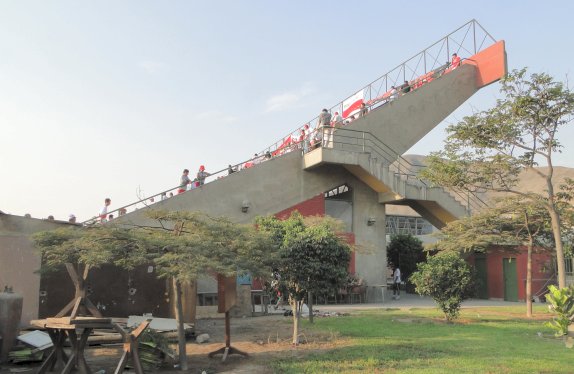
(337, 120)
(397, 283)
(104, 211)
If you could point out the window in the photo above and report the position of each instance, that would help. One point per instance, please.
(408, 225)
(339, 205)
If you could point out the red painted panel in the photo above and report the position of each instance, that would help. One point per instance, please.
(491, 64)
(312, 207)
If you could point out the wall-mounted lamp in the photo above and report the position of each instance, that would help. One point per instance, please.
(371, 221)
(245, 206)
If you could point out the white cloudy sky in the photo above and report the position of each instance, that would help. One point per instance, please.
(108, 98)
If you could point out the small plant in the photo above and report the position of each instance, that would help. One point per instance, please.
(562, 304)
(446, 278)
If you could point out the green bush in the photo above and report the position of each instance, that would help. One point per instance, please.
(562, 304)
(446, 278)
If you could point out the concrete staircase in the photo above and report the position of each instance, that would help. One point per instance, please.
(392, 177)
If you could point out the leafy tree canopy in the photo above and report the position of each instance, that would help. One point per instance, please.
(488, 150)
(183, 245)
(312, 257)
(405, 251)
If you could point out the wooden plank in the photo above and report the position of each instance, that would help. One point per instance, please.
(76, 307)
(82, 320)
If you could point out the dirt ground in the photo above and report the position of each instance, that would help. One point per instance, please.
(263, 338)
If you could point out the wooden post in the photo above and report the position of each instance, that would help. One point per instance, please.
(226, 291)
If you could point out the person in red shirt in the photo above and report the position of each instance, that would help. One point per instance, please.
(455, 61)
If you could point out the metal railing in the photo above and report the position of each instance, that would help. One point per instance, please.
(429, 64)
(365, 142)
(426, 65)
(146, 201)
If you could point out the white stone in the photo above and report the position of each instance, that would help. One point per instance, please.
(202, 338)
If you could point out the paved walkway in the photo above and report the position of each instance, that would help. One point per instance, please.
(407, 301)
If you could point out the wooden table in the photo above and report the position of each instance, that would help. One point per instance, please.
(76, 330)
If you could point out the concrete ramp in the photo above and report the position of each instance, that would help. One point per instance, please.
(401, 123)
(266, 188)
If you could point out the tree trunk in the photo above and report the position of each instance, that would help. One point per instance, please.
(557, 232)
(529, 278)
(180, 328)
(295, 308)
(310, 305)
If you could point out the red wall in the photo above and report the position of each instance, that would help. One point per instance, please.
(312, 207)
(541, 265)
(316, 207)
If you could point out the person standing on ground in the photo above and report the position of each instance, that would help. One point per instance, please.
(104, 211)
(184, 181)
(397, 283)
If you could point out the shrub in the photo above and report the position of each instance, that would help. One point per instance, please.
(446, 278)
(562, 304)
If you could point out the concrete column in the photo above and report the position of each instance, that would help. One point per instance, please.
(371, 258)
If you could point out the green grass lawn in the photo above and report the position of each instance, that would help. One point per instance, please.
(483, 340)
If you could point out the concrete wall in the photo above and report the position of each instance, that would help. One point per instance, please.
(400, 124)
(278, 185)
(19, 259)
(270, 187)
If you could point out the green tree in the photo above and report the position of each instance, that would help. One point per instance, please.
(488, 150)
(448, 279)
(312, 257)
(405, 251)
(183, 246)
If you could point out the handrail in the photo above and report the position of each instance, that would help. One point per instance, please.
(144, 202)
(402, 167)
(447, 44)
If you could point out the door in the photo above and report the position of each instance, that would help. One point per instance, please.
(481, 277)
(510, 279)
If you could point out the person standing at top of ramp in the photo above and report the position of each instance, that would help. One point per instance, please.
(324, 121)
(455, 61)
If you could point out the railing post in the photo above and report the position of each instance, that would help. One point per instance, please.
(474, 34)
(363, 135)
